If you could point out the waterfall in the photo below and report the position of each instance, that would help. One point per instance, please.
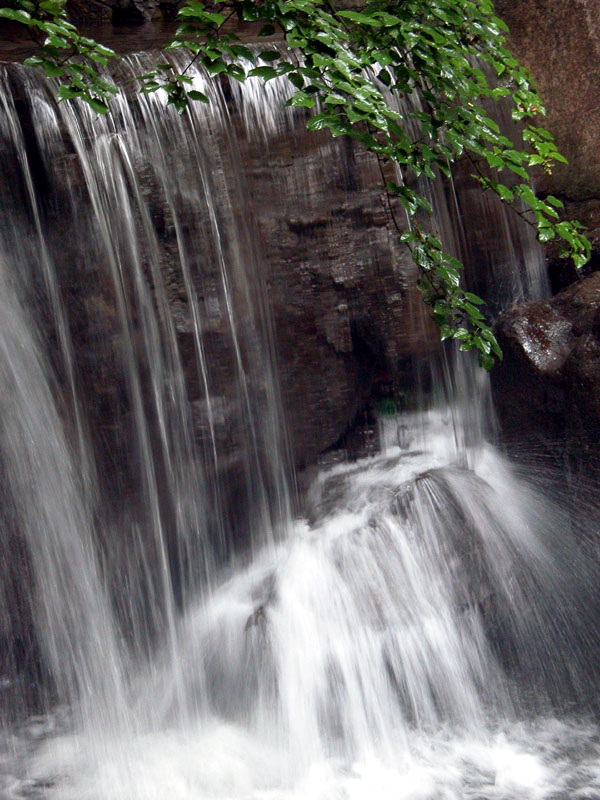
(420, 625)
(112, 178)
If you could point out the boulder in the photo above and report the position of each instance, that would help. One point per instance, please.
(547, 388)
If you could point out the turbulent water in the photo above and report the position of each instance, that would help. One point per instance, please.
(424, 629)
(408, 642)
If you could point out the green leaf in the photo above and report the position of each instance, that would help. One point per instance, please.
(446, 332)
(263, 72)
(17, 15)
(234, 71)
(296, 79)
(473, 298)
(320, 60)
(52, 8)
(461, 334)
(360, 18)
(486, 361)
(194, 94)
(320, 121)
(68, 92)
(270, 55)
(472, 310)
(97, 105)
(482, 345)
(250, 11)
(387, 19)
(545, 233)
(51, 69)
(385, 77)
(214, 67)
(301, 99)
(487, 334)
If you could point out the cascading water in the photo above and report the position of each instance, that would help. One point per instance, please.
(426, 631)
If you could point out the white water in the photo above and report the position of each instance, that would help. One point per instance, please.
(359, 658)
(548, 758)
(425, 631)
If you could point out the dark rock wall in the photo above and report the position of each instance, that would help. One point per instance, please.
(547, 389)
(339, 303)
(560, 44)
(335, 281)
(310, 213)
(343, 317)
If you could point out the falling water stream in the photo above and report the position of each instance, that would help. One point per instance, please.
(424, 629)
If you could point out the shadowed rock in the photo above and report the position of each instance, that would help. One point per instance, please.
(548, 385)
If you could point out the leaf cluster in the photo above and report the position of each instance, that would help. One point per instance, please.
(411, 80)
(63, 52)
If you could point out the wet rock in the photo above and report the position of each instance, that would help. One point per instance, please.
(559, 43)
(120, 12)
(335, 278)
(258, 617)
(548, 386)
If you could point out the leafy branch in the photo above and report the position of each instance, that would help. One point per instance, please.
(410, 81)
(63, 52)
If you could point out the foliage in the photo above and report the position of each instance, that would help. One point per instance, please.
(63, 52)
(351, 67)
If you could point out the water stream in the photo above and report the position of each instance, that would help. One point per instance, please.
(425, 627)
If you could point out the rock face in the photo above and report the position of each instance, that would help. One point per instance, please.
(548, 386)
(559, 42)
(288, 219)
(335, 278)
(338, 298)
(304, 211)
(117, 11)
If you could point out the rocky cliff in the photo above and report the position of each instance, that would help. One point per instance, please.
(547, 387)
(547, 390)
(338, 296)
